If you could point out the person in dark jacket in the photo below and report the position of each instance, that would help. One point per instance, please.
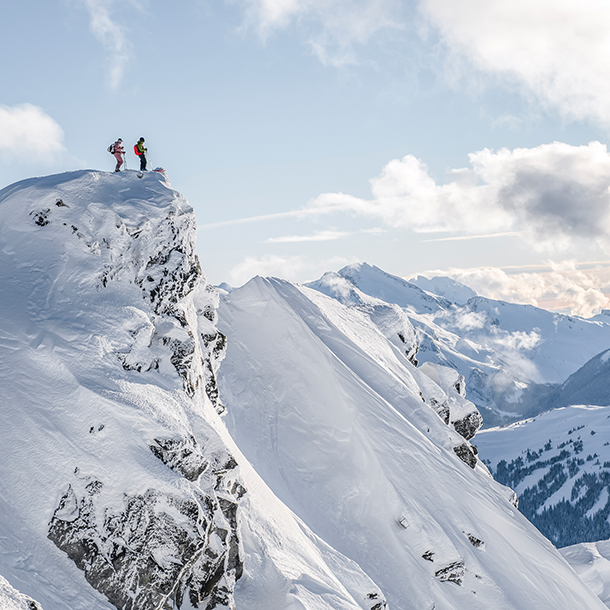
(141, 152)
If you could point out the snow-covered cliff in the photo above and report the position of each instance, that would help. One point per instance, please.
(120, 486)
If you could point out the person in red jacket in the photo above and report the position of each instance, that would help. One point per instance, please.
(118, 152)
(141, 152)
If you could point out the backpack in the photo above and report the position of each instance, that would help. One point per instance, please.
(110, 149)
(135, 150)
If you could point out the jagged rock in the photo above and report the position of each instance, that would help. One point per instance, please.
(467, 453)
(378, 602)
(428, 556)
(216, 344)
(454, 572)
(41, 218)
(468, 426)
(441, 409)
(159, 549)
(475, 541)
(460, 386)
(182, 455)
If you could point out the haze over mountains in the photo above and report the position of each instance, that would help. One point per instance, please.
(513, 357)
(282, 453)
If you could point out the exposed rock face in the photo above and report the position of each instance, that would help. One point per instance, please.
(182, 455)
(456, 410)
(454, 572)
(157, 551)
(467, 453)
(468, 425)
(162, 548)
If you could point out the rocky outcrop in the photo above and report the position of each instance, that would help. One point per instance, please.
(468, 425)
(467, 453)
(156, 552)
(456, 410)
(166, 543)
(162, 548)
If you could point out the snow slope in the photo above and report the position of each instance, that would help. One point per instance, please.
(591, 561)
(509, 354)
(120, 485)
(559, 465)
(324, 401)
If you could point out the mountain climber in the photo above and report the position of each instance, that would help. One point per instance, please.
(141, 152)
(118, 151)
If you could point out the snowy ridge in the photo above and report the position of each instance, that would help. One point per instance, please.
(121, 487)
(511, 356)
(11, 599)
(325, 403)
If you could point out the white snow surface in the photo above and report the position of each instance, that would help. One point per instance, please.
(445, 287)
(562, 427)
(328, 409)
(591, 561)
(87, 384)
(11, 599)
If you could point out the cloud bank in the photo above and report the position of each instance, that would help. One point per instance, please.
(563, 287)
(554, 195)
(559, 50)
(26, 131)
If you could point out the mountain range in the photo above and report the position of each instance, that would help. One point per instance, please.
(272, 447)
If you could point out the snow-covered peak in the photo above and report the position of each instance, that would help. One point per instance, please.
(445, 287)
(120, 485)
(508, 353)
(353, 281)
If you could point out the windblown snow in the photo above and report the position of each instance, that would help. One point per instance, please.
(343, 476)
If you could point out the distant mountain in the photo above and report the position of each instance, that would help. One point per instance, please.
(445, 287)
(343, 477)
(511, 356)
(589, 385)
(559, 465)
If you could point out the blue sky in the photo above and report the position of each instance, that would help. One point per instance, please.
(460, 136)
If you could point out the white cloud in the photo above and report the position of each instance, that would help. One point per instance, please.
(317, 236)
(558, 49)
(27, 131)
(113, 38)
(555, 194)
(332, 27)
(563, 287)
